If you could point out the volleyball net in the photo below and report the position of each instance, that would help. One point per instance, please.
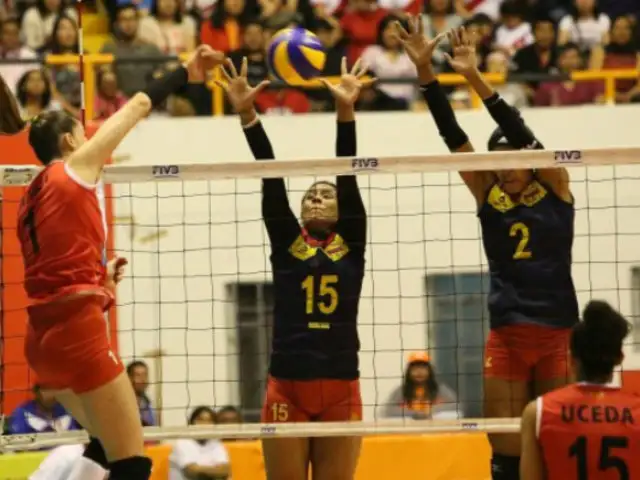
(196, 303)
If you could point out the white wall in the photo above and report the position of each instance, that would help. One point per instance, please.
(176, 299)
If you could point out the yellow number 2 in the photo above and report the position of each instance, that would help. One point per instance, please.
(521, 230)
(327, 289)
(280, 412)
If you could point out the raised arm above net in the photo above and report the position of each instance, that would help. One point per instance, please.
(10, 119)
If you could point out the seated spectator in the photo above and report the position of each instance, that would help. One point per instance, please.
(325, 9)
(470, 8)
(199, 459)
(59, 463)
(35, 95)
(564, 93)
(168, 29)
(12, 48)
(253, 48)
(202, 9)
(38, 21)
(585, 26)
(223, 32)
(228, 415)
(138, 373)
(540, 57)
(360, 26)
(43, 414)
(132, 76)
(65, 78)
(513, 33)
(329, 33)
(282, 102)
(402, 8)
(621, 53)
(109, 98)
(388, 60)
(421, 395)
(514, 94)
(440, 18)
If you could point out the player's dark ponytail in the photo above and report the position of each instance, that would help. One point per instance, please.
(596, 342)
(10, 119)
(46, 132)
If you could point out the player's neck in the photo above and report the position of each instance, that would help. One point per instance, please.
(599, 380)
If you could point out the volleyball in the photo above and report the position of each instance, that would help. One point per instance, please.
(296, 55)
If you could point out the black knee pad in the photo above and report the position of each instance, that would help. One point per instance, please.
(94, 452)
(132, 468)
(504, 467)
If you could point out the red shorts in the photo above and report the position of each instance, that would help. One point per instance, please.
(67, 345)
(312, 401)
(526, 352)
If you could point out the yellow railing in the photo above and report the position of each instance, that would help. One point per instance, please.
(91, 61)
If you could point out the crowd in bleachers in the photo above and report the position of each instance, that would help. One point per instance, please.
(529, 39)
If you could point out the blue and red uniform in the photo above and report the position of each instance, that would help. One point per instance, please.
(532, 299)
(62, 231)
(313, 372)
(589, 431)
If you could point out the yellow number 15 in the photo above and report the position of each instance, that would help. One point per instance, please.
(327, 289)
(520, 230)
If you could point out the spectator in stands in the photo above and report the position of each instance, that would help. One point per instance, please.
(513, 93)
(65, 78)
(132, 76)
(585, 26)
(440, 18)
(168, 29)
(388, 60)
(253, 48)
(38, 21)
(228, 415)
(43, 414)
(421, 395)
(109, 98)
(223, 32)
(540, 57)
(35, 95)
(282, 102)
(138, 373)
(329, 33)
(620, 53)
(199, 459)
(202, 9)
(513, 32)
(325, 9)
(568, 92)
(471, 8)
(360, 26)
(402, 8)
(11, 48)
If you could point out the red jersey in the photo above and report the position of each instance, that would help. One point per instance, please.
(62, 231)
(589, 431)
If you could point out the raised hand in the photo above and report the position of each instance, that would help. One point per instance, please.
(465, 60)
(240, 93)
(196, 66)
(347, 91)
(416, 44)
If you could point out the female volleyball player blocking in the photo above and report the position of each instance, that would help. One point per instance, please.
(317, 272)
(69, 282)
(527, 220)
(589, 429)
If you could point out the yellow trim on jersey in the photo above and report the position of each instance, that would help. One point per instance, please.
(334, 251)
(529, 197)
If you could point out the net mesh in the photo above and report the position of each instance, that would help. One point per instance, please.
(196, 304)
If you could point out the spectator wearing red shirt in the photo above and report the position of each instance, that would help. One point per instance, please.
(282, 102)
(568, 92)
(621, 53)
(223, 31)
(360, 26)
(109, 98)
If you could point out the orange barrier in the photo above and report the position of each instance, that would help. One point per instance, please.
(456, 456)
(90, 61)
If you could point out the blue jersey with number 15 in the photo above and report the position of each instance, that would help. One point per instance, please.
(528, 245)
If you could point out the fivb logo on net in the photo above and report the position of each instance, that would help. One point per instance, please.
(359, 164)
